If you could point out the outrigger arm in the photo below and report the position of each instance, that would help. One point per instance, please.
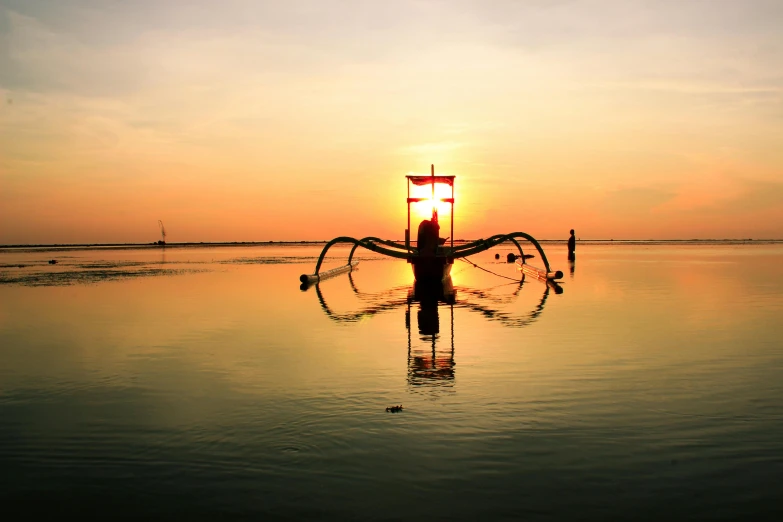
(368, 243)
(401, 251)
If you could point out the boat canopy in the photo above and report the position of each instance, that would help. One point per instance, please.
(426, 180)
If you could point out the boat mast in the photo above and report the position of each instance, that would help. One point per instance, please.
(434, 205)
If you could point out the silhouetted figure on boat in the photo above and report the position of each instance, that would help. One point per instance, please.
(572, 246)
(429, 237)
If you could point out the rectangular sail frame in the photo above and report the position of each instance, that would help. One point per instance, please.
(427, 180)
(432, 180)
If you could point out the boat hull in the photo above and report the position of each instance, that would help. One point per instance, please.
(431, 269)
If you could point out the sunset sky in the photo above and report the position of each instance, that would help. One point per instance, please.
(246, 120)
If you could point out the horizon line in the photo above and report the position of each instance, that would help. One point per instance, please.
(323, 241)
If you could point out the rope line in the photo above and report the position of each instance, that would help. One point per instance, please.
(488, 271)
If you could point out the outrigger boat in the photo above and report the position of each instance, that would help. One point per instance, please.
(431, 259)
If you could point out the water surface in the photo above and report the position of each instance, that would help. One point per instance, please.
(203, 383)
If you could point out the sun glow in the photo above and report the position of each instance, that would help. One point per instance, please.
(423, 209)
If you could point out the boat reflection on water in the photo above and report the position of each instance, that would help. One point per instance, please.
(430, 356)
(426, 366)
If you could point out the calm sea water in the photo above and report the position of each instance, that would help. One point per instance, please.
(203, 383)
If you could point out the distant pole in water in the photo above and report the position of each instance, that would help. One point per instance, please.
(162, 233)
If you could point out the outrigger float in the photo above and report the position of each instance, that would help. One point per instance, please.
(431, 258)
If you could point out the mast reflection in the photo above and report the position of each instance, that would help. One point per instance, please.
(431, 357)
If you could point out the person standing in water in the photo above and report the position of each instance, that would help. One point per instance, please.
(572, 246)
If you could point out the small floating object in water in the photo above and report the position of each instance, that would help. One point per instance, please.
(394, 409)
(511, 257)
(52, 261)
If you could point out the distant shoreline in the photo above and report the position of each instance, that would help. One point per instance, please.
(322, 242)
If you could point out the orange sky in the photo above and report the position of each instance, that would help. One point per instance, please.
(257, 121)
